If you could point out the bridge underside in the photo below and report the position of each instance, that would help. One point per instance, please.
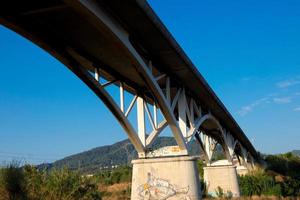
(123, 44)
(126, 44)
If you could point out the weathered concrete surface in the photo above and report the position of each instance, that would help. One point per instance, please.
(221, 176)
(166, 178)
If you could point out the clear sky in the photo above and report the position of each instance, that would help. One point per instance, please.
(248, 51)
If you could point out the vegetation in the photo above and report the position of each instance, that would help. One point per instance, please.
(259, 183)
(223, 195)
(285, 164)
(262, 184)
(115, 183)
(296, 152)
(218, 154)
(200, 166)
(118, 175)
(281, 177)
(28, 183)
(107, 157)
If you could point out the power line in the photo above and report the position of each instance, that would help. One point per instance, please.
(34, 155)
(26, 157)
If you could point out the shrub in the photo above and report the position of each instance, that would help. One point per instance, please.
(290, 187)
(28, 183)
(12, 182)
(284, 164)
(258, 184)
(219, 192)
(262, 184)
(200, 166)
(118, 175)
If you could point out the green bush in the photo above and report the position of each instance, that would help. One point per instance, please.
(200, 166)
(118, 175)
(262, 184)
(28, 183)
(284, 164)
(12, 182)
(258, 184)
(290, 187)
(219, 192)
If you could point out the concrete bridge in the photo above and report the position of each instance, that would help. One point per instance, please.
(123, 44)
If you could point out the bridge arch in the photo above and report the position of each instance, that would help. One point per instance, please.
(87, 69)
(96, 45)
(216, 133)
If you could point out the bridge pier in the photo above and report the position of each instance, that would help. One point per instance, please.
(166, 178)
(223, 176)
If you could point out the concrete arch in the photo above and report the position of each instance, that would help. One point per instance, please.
(75, 60)
(198, 125)
(66, 57)
(95, 37)
(119, 34)
(200, 122)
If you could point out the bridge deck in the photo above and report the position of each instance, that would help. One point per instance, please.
(58, 26)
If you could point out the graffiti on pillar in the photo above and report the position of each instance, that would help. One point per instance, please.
(164, 151)
(161, 189)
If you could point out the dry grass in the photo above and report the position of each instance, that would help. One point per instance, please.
(118, 187)
(118, 191)
(3, 194)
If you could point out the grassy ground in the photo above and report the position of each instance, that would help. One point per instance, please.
(116, 191)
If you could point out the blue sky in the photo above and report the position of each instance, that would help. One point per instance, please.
(248, 51)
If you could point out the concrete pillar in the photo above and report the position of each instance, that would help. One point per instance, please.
(224, 176)
(166, 178)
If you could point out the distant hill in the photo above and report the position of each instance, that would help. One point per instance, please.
(120, 153)
(296, 152)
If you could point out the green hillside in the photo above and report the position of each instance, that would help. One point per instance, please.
(110, 156)
(105, 157)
